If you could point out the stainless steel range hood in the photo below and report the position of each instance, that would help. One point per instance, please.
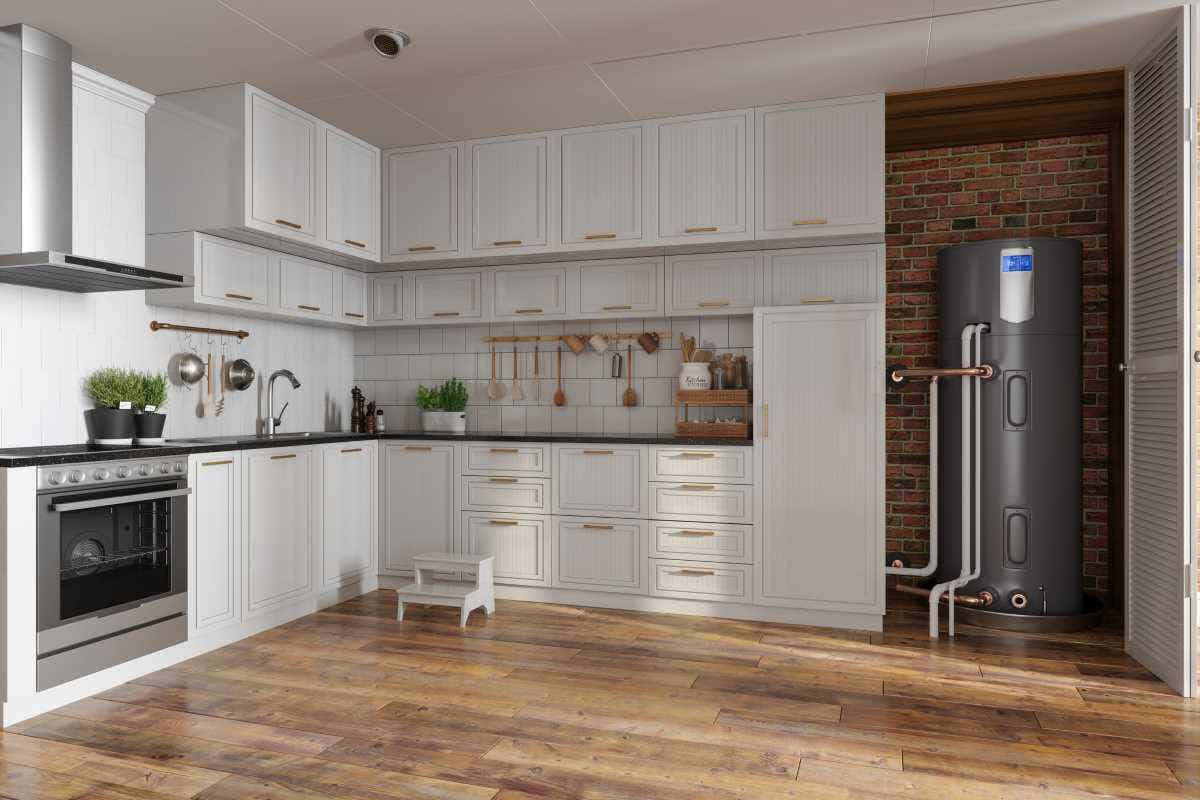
(35, 175)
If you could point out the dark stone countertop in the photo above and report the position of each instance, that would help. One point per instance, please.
(80, 453)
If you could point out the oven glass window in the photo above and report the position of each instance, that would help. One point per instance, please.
(114, 554)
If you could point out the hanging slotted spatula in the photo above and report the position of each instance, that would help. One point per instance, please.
(518, 392)
(495, 389)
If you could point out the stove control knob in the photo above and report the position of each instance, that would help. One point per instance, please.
(100, 474)
(144, 470)
(54, 478)
(76, 476)
(164, 468)
(122, 472)
(180, 466)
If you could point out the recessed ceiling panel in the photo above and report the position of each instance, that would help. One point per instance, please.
(882, 58)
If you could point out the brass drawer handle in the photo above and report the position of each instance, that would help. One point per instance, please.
(506, 242)
(308, 308)
(706, 487)
(424, 448)
(597, 452)
(285, 455)
(696, 573)
(813, 221)
(354, 243)
(715, 304)
(504, 450)
(352, 450)
(502, 480)
(216, 463)
(591, 236)
(807, 301)
(594, 526)
(236, 296)
(529, 311)
(705, 229)
(288, 223)
(352, 314)
(505, 522)
(447, 313)
(422, 248)
(696, 454)
(616, 308)
(694, 533)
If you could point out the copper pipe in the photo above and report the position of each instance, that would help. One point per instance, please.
(985, 371)
(155, 325)
(981, 600)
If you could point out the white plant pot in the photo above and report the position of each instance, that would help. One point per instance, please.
(695, 375)
(444, 421)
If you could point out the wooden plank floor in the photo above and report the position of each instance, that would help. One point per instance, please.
(548, 701)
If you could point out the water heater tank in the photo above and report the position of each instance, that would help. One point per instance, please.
(1028, 292)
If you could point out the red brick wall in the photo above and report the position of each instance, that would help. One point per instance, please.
(935, 198)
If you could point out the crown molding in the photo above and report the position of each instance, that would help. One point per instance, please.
(95, 82)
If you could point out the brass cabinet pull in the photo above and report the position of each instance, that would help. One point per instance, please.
(289, 224)
(597, 452)
(352, 450)
(706, 487)
(216, 463)
(446, 313)
(696, 454)
(594, 526)
(236, 296)
(502, 480)
(528, 311)
(696, 573)
(590, 236)
(813, 221)
(422, 248)
(308, 308)
(808, 301)
(504, 242)
(704, 229)
(504, 449)
(352, 314)
(766, 411)
(502, 522)
(715, 304)
(616, 308)
(694, 533)
(425, 447)
(354, 243)
(285, 455)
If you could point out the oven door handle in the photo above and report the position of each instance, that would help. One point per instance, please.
(80, 505)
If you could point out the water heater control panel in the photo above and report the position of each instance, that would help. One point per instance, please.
(1016, 284)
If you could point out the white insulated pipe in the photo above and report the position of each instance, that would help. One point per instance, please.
(931, 567)
(977, 569)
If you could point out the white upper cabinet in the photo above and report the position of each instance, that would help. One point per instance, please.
(820, 168)
(602, 191)
(306, 287)
(282, 165)
(447, 295)
(718, 283)
(529, 293)
(511, 194)
(354, 297)
(620, 287)
(422, 203)
(387, 297)
(232, 273)
(705, 177)
(351, 195)
(825, 274)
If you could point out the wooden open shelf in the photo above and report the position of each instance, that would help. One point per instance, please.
(712, 397)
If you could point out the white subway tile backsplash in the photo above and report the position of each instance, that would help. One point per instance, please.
(408, 341)
(432, 340)
(466, 366)
(397, 367)
(741, 332)
(454, 340)
(603, 392)
(420, 367)
(714, 333)
(512, 419)
(590, 419)
(616, 421)
(537, 419)
(643, 420)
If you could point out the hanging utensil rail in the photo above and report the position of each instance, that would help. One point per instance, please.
(610, 336)
(155, 325)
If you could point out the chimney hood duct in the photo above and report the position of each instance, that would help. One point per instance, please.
(35, 175)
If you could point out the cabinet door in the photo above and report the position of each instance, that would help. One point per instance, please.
(445, 296)
(387, 298)
(215, 540)
(598, 480)
(234, 274)
(510, 193)
(602, 185)
(718, 283)
(824, 274)
(530, 293)
(418, 503)
(305, 286)
(621, 287)
(347, 540)
(821, 461)
(354, 297)
(602, 555)
(283, 145)
(277, 558)
(820, 168)
(422, 202)
(517, 543)
(704, 177)
(351, 195)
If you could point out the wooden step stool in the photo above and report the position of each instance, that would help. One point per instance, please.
(465, 595)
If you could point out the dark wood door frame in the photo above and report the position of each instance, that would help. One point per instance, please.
(1040, 108)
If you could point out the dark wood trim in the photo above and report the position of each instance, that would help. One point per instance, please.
(1035, 108)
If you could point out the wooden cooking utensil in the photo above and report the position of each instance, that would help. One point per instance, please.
(560, 397)
(537, 376)
(518, 392)
(495, 390)
(630, 398)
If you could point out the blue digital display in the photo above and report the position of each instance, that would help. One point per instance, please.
(1021, 263)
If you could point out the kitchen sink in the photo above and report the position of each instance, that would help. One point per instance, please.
(218, 440)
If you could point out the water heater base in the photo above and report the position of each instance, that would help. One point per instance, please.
(1092, 616)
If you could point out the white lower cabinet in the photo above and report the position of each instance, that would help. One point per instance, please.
(703, 541)
(418, 503)
(518, 543)
(347, 525)
(702, 501)
(278, 547)
(599, 554)
(598, 479)
(214, 540)
(689, 580)
(501, 493)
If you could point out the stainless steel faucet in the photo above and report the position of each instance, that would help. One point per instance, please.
(272, 420)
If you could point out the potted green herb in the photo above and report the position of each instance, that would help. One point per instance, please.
(149, 419)
(113, 391)
(443, 409)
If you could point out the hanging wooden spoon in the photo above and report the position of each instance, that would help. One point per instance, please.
(630, 399)
(495, 389)
(560, 397)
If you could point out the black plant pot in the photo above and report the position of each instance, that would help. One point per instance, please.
(112, 426)
(148, 427)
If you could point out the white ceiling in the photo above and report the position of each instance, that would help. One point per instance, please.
(489, 67)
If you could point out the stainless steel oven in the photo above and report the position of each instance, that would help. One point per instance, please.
(111, 564)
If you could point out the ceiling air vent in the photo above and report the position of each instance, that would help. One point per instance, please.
(388, 42)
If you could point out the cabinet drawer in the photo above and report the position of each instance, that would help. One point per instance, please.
(620, 287)
(523, 460)
(702, 501)
(530, 293)
(518, 544)
(443, 296)
(732, 543)
(716, 283)
(599, 480)
(829, 274)
(732, 465)
(505, 494)
(692, 580)
(603, 555)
